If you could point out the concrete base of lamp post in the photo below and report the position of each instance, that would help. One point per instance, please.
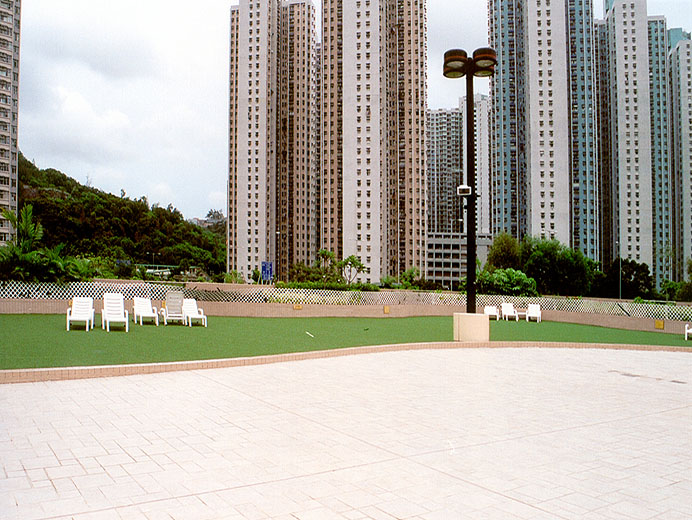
(471, 327)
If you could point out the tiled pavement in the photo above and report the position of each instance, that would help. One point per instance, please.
(457, 434)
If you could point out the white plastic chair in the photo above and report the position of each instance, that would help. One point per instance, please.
(533, 311)
(172, 309)
(508, 311)
(491, 310)
(114, 311)
(143, 309)
(688, 331)
(192, 312)
(82, 309)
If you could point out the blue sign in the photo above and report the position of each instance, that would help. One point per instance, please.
(267, 271)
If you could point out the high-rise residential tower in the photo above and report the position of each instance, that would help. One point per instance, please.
(544, 155)
(680, 91)
(628, 131)
(10, 14)
(271, 132)
(297, 137)
(660, 164)
(372, 174)
(445, 171)
(446, 163)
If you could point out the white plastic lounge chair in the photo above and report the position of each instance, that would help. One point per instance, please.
(508, 311)
(114, 311)
(192, 312)
(491, 310)
(82, 309)
(172, 309)
(143, 309)
(688, 331)
(533, 311)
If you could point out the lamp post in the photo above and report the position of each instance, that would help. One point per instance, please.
(617, 244)
(456, 65)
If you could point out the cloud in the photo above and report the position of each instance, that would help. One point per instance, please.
(104, 38)
(70, 126)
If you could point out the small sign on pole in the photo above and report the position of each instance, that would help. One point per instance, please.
(267, 271)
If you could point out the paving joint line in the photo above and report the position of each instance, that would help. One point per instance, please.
(396, 456)
(219, 490)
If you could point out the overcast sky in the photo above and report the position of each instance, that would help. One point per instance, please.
(132, 94)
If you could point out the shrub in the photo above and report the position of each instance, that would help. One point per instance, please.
(509, 282)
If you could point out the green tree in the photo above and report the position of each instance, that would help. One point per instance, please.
(388, 282)
(628, 276)
(350, 268)
(509, 282)
(408, 278)
(669, 289)
(215, 214)
(556, 268)
(684, 293)
(327, 267)
(20, 259)
(27, 232)
(504, 252)
(636, 280)
(300, 272)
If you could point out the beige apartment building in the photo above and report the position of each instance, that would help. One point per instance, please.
(297, 130)
(340, 168)
(373, 97)
(271, 131)
(10, 12)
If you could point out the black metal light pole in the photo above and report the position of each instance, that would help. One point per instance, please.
(456, 65)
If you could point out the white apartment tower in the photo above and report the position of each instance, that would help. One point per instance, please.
(372, 175)
(544, 174)
(271, 128)
(10, 11)
(252, 151)
(627, 129)
(680, 89)
(660, 150)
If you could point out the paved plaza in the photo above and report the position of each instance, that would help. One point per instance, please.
(431, 434)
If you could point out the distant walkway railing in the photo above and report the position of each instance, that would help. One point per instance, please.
(269, 294)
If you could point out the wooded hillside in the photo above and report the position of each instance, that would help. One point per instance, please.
(92, 223)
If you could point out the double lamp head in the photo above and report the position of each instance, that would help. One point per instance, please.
(458, 64)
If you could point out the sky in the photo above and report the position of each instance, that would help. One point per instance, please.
(133, 95)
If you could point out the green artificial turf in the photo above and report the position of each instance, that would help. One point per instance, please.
(576, 333)
(36, 341)
(33, 341)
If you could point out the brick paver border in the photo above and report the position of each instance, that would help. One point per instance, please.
(34, 375)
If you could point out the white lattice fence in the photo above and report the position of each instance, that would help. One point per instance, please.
(635, 310)
(267, 294)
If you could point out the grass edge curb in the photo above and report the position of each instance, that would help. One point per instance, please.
(35, 375)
